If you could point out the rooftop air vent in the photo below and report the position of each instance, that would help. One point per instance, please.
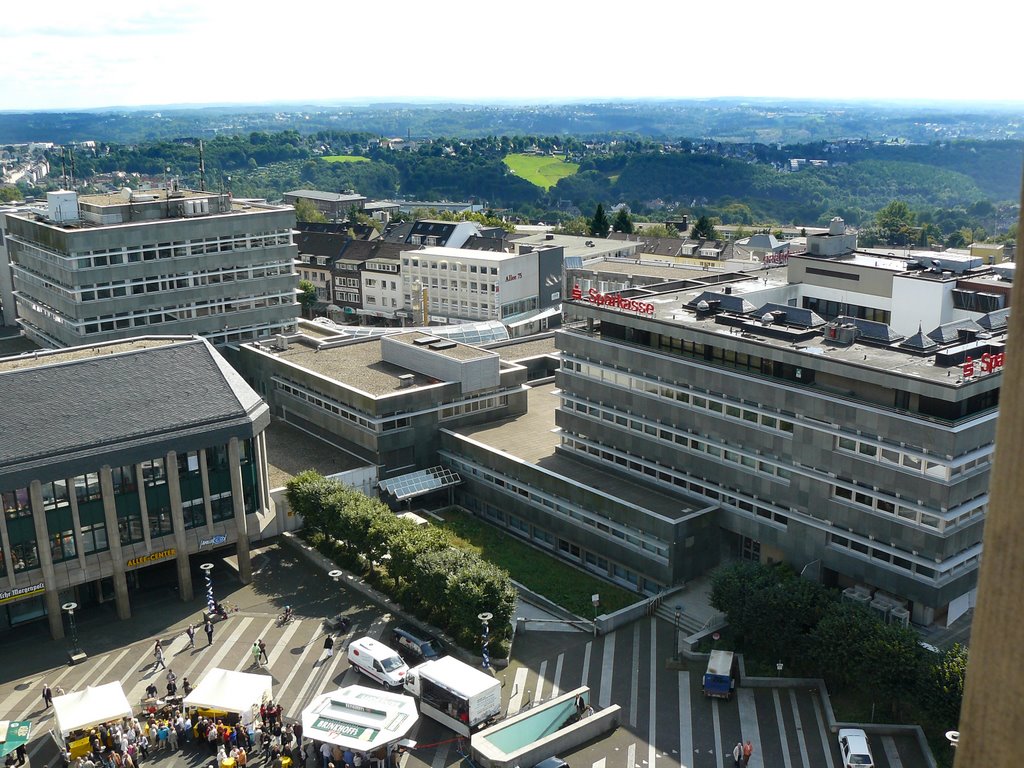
(405, 380)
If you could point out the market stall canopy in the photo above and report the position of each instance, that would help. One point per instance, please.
(225, 690)
(14, 734)
(359, 718)
(84, 709)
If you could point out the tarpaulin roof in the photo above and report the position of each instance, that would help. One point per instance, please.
(14, 734)
(359, 718)
(229, 691)
(84, 709)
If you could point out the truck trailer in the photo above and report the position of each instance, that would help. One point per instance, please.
(455, 694)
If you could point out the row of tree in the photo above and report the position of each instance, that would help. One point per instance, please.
(417, 564)
(775, 615)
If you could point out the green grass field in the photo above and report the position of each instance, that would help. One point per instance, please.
(540, 170)
(346, 159)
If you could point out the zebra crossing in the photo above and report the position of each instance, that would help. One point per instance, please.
(666, 721)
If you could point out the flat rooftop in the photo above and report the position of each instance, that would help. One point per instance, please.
(40, 357)
(291, 451)
(452, 349)
(359, 365)
(527, 348)
(533, 438)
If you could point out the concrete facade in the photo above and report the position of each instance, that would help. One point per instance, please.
(171, 262)
(133, 484)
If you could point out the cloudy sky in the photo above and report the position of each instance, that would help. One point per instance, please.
(68, 54)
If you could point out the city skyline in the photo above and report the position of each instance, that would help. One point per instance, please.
(193, 53)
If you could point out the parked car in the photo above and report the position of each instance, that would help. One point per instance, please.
(416, 646)
(853, 746)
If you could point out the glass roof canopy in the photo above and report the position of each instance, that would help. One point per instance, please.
(418, 483)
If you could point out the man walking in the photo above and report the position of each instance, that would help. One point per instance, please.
(47, 695)
(256, 654)
(748, 750)
(209, 632)
(329, 645)
(737, 754)
(263, 652)
(191, 632)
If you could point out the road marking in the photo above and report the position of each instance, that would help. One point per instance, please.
(295, 669)
(282, 643)
(634, 693)
(783, 736)
(631, 756)
(539, 695)
(652, 694)
(748, 723)
(826, 735)
(607, 663)
(716, 719)
(799, 728)
(247, 657)
(327, 677)
(891, 754)
(685, 722)
(586, 663)
(558, 675)
(441, 755)
(599, 763)
(518, 686)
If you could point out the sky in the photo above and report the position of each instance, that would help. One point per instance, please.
(68, 54)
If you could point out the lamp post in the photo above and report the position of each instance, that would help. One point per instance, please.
(679, 615)
(596, 600)
(76, 654)
(778, 669)
(485, 655)
(207, 569)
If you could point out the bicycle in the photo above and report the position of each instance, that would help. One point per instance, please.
(285, 617)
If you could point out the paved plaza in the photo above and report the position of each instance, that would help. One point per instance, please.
(665, 719)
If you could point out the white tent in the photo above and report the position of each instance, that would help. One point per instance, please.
(359, 718)
(225, 690)
(95, 705)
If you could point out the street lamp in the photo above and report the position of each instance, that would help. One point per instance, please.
(485, 619)
(679, 615)
(211, 604)
(778, 669)
(596, 600)
(76, 654)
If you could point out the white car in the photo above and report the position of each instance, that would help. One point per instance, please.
(853, 746)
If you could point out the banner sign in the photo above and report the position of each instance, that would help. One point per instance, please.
(19, 592)
(151, 558)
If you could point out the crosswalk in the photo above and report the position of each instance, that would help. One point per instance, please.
(666, 722)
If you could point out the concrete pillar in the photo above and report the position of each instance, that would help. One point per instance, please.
(52, 594)
(140, 484)
(178, 524)
(5, 540)
(238, 502)
(76, 521)
(264, 470)
(124, 607)
(204, 474)
(991, 719)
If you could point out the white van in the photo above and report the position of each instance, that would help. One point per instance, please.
(376, 660)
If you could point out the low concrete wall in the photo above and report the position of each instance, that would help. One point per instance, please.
(562, 740)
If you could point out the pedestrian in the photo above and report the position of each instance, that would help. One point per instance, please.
(209, 632)
(191, 632)
(748, 750)
(263, 652)
(325, 754)
(256, 655)
(186, 686)
(581, 704)
(158, 653)
(737, 754)
(47, 695)
(329, 645)
(21, 754)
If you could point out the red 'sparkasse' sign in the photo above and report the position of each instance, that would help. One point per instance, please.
(612, 300)
(986, 364)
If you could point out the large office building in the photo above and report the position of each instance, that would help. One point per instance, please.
(122, 465)
(95, 268)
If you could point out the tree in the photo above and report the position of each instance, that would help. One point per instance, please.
(896, 221)
(307, 297)
(578, 226)
(623, 222)
(599, 225)
(943, 686)
(307, 212)
(704, 229)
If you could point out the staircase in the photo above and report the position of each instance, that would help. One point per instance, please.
(688, 623)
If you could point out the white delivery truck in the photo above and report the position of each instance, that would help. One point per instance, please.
(455, 694)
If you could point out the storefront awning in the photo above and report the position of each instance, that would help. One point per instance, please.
(359, 718)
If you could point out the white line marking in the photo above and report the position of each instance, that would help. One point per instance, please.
(783, 736)
(685, 722)
(799, 728)
(558, 675)
(607, 664)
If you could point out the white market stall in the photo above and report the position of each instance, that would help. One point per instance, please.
(360, 719)
(224, 690)
(80, 710)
